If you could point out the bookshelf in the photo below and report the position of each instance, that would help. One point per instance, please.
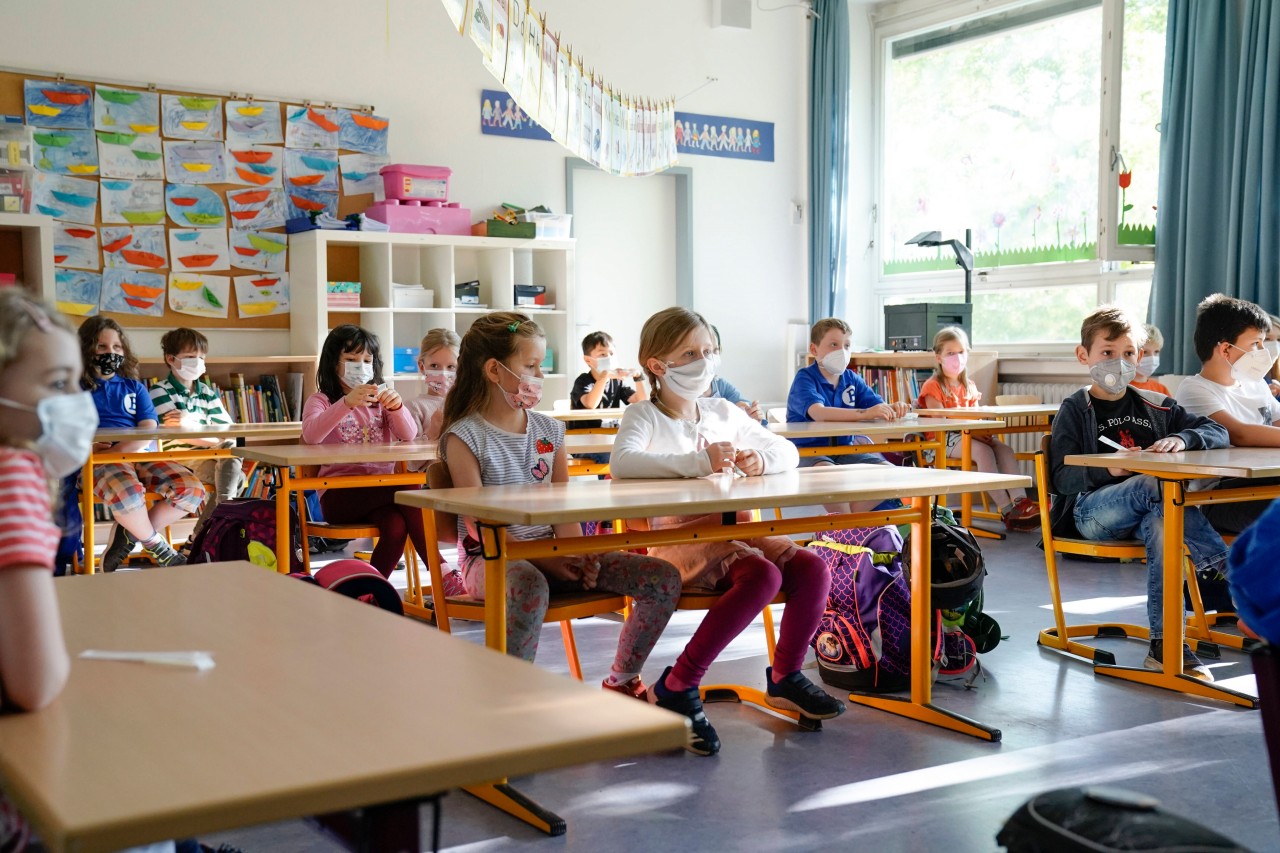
(896, 376)
(26, 248)
(434, 263)
(221, 370)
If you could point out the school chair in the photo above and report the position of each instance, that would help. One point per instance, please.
(1199, 627)
(564, 606)
(329, 530)
(1020, 400)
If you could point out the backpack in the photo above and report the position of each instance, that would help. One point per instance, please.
(863, 640)
(956, 572)
(245, 529)
(361, 581)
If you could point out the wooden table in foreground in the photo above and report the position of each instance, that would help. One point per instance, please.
(284, 457)
(288, 431)
(317, 704)
(1175, 471)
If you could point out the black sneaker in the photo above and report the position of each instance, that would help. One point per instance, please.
(1191, 665)
(702, 737)
(797, 693)
(164, 555)
(119, 548)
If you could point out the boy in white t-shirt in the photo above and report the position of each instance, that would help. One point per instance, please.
(1231, 388)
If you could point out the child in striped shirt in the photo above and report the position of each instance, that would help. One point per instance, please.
(181, 399)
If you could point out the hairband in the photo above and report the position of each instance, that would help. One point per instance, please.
(38, 317)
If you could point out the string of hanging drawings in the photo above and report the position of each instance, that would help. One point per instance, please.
(618, 133)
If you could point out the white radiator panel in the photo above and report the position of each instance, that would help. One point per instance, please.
(1048, 392)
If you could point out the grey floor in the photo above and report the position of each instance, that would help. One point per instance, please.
(872, 781)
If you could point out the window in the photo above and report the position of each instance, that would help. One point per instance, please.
(990, 123)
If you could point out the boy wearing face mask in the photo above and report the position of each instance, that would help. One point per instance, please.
(1231, 388)
(181, 399)
(1112, 503)
(1149, 363)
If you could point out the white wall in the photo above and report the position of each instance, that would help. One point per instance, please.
(400, 55)
(861, 305)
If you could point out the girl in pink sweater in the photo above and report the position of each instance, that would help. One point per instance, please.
(353, 406)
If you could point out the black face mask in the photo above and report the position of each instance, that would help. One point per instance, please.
(108, 362)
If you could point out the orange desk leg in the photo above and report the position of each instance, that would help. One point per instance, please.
(86, 515)
(493, 541)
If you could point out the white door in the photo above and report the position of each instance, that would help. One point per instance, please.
(625, 257)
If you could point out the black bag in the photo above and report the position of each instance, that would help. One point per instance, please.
(956, 572)
(1102, 819)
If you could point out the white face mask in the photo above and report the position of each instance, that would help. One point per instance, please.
(189, 369)
(438, 381)
(1273, 347)
(835, 362)
(1113, 375)
(528, 392)
(1148, 365)
(692, 380)
(605, 363)
(357, 373)
(1251, 366)
(67, 425)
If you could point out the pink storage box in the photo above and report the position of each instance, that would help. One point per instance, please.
(421, 183)
(417, 217)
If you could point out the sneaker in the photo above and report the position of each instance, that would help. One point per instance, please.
(1191, 665)
(1023, 515)
(452, 583)
(119, 548)
(702, 737)
(632, 687)
(797, 693)
(164, 555)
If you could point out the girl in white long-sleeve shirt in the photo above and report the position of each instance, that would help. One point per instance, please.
(680, 433)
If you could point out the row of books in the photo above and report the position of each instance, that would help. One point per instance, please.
(895, 384)
(271, 401)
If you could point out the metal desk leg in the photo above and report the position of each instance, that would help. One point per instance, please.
(86, 515)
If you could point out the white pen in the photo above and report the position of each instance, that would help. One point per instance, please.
(1109, 443)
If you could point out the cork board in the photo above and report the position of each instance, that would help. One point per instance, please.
(213, 197)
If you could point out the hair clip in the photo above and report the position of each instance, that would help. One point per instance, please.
(38, 317)
(513, 328)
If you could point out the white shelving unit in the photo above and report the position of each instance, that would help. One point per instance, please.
(436, 263)
(26, 246)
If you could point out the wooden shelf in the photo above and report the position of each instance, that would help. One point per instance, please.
(982, 366)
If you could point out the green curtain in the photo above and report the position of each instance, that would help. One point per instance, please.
(828, 154)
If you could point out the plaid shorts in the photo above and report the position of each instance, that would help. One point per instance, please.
(122, 486)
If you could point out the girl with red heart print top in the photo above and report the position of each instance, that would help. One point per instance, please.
(491, 437)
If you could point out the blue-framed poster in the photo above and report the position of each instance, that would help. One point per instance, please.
(722, 136)
(500, 115)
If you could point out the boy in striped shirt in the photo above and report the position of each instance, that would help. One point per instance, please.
(182, 399)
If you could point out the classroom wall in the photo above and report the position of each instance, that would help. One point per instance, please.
(400, 55)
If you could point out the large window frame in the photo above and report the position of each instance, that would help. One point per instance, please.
(1116, 265)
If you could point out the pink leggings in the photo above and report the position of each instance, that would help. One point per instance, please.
(377, 505)
(750, 584)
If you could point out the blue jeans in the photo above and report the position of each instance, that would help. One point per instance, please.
(1133, 508)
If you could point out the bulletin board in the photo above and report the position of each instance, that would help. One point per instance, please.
(170, 204)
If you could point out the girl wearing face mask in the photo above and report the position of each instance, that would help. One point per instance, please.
(354, 407)
(183, 400)
(111, 374)
(438, 365)
(681, 433)
(493, 438)
(1149, 363)
(950, 388)
(46, 429)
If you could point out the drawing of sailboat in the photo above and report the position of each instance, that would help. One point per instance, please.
(258, 309)
(320, 164)
(245, 215)
(118, 96)
(194, 125)
(142, 259)
(251, 177)
(306, 203)
(54, 140)
(369, 121)
(246, 251)
(265, 282)
(194, 103)
(55, 212)
(183, 201)
(204, 218)
(319, 120)
(197, 167)
(67, 99)
(80, 233)
(57, 259)
(82, 169)
(186, 236)
(250, 196)
(188, 283)
(144, 128)
(140, 304)
(115, 137)
(263, 170)
(271, 247)
(142, 217)
(250, 110)
(252, 156)
(249, 125)
(197, 261)
(76, 309)
(74, 199)
(146, 155)
(306, 180)
(42, 110)
(117, 245)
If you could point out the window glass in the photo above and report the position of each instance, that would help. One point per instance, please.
(1137, 167)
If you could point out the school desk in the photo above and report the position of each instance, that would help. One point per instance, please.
(572, 416)
(1023, 418)
(288, 431)
(1175, 471)
(907, 435)
(294, 719)
(284, 457)
(586, 500)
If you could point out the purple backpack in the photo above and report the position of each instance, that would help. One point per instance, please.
(864, 637)
(245, 529)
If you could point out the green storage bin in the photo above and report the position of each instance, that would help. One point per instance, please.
(524, 230)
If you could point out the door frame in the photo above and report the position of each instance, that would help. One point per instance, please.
(683, 219)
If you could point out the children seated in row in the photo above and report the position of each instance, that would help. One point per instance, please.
(1149, 363)
(1113, 503)
(355, 406)
(951, 388)
(491, 437)
(1232, 389)
(111, 374)
(678, 433)
(46, 430)
(182, 399)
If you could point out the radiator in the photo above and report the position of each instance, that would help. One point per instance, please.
(1048, 392)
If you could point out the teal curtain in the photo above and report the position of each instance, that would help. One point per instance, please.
(828, 154)
(1219, 201)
